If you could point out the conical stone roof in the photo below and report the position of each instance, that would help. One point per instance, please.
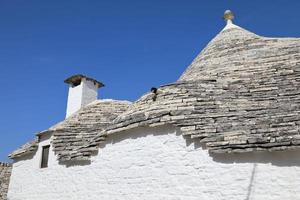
(74, 132)
(240, 94)
(236, 53)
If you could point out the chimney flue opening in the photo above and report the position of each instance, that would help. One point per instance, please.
(76, 83)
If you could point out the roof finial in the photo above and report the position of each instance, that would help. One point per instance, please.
(228, 16)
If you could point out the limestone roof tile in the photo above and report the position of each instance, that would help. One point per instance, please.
(75, 131)
(240, 94)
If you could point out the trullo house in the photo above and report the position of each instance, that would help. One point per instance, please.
(228, 128)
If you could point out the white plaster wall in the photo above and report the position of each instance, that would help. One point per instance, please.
(80, 96)
(159, 164)
(89, 93)
(74, 99)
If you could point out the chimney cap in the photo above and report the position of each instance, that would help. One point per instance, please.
(75, 79)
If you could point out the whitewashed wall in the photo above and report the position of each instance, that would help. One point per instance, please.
(159, 164)
(80, 96)
(74, 99)
(89, 92)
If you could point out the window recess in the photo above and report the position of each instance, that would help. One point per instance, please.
(45, 156)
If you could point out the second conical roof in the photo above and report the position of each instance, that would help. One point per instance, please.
(236, 53)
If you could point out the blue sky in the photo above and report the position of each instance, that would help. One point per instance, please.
(129, 45)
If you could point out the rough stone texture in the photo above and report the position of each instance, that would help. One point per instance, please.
(74, 132)
(5, 172)
(241, 94)
(28, 148)
(237, 54)
(158, 164)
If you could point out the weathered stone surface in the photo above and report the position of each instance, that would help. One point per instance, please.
(241, 94)
(5, 172)
(26, 149)
(70, 135)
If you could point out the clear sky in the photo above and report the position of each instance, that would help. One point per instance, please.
(130, 45)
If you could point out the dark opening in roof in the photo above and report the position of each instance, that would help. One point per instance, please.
(75, 80)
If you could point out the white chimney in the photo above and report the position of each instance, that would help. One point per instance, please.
(82, 91)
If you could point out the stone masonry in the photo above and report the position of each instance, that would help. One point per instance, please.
(5, 172)
(240, 94)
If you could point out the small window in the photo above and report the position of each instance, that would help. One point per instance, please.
(45, 156)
